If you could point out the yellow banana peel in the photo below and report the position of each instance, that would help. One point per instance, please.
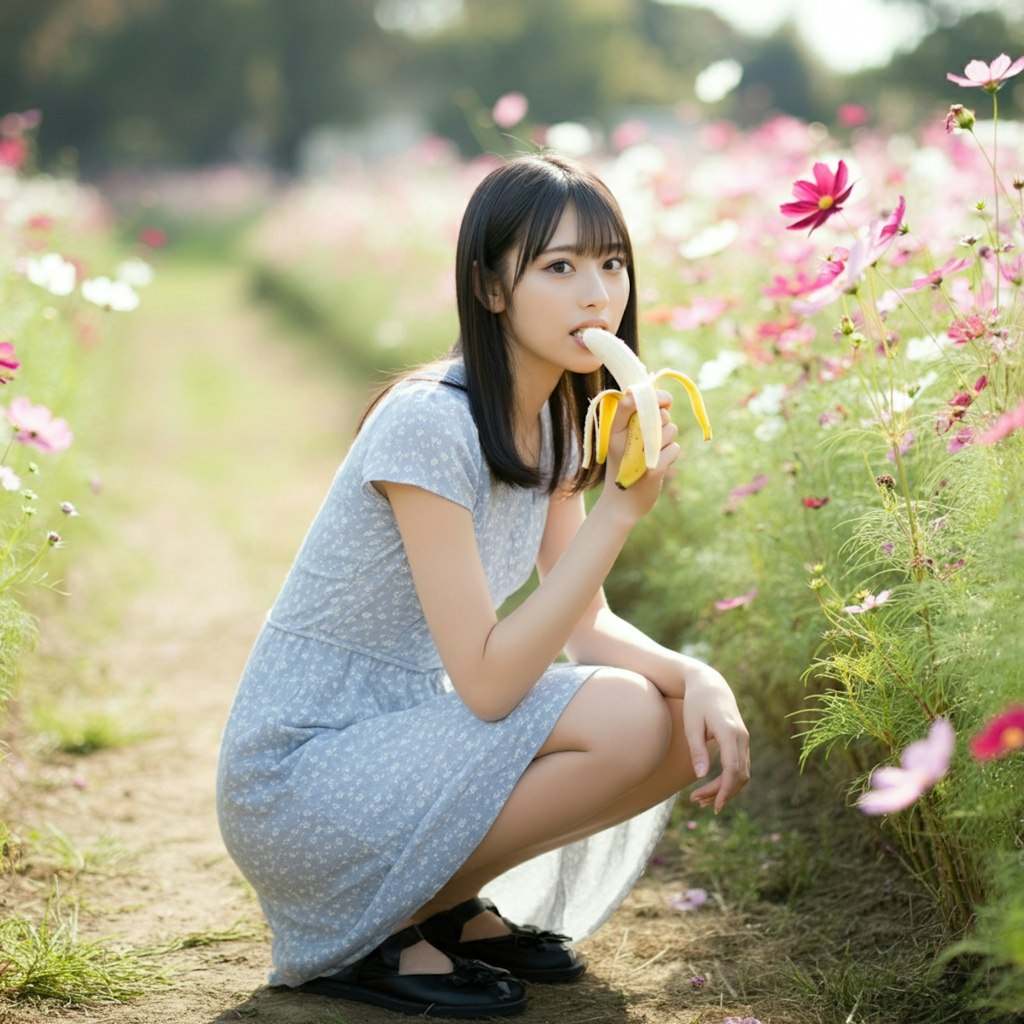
(643, 437)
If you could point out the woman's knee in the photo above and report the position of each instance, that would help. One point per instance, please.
(618, 715)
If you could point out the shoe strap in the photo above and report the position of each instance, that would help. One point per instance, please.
(390, 950)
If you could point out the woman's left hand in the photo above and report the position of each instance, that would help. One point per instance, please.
(710, 715)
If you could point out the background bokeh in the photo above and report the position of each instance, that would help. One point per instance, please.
(146, 83)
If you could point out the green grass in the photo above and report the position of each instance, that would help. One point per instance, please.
(56, 850)
(46, 959)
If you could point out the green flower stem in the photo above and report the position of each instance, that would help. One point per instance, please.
(20, 575)
(944, 861)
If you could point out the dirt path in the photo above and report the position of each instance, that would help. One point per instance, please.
(223, 442)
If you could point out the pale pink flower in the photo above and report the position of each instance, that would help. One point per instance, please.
(702, 312)
(726, 604)
(737, 494)
(961, 439)
(689, 900)
(870, 246)
(1004, 426)
(510, 109)
(9, 480)
(8, 364)
(923, 763)
(870, 601)
(629, 133)
(852, 114)
(35, 425)
(937, 276)
(989, 77)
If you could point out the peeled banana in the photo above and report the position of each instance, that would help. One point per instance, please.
(643, 438)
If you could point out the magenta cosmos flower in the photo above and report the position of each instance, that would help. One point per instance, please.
(923, 763)
(35, 425)
(817, 200)
(989, 77)
(1001, 735)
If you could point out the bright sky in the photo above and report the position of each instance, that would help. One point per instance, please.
(846, 37)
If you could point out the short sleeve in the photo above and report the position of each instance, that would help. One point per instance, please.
(423, 435)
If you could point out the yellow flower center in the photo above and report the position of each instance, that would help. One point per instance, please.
(1013, 738)
(826, 203)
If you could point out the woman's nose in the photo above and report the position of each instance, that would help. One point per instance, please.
(595, 295)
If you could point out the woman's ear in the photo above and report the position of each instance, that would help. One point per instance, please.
(487, 286)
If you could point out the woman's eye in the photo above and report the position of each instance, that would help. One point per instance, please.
(560, 267)
(615, 263)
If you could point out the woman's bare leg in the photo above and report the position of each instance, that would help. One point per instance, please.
(617, 749)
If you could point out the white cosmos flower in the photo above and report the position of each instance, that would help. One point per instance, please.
(137, 273)
(52, 272)
(715, 372)
(9, 480)
(711, 240)
(570, 138)
(115, 295)
(768, 402)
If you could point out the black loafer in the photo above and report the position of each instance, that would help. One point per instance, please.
(529, 953)
(469, 991)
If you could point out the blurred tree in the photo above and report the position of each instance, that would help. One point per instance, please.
(142, 81)
(915, 82)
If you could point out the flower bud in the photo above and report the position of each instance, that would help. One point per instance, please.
(959, 118)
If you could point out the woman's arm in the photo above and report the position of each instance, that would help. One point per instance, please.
(493, 664)
(603, 638)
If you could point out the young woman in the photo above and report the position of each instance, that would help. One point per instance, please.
(395, 749)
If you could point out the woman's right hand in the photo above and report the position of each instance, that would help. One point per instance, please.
(637, 500)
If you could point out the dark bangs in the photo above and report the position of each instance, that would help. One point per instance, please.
(600, 228)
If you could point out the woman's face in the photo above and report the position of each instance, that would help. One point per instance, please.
(561, 292)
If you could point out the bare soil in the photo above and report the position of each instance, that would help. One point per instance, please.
(222, 434)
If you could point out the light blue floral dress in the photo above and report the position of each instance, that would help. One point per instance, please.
(353, 782)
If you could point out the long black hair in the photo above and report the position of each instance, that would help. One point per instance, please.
(515, 211)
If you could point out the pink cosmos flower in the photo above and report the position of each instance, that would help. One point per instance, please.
(726, 604)
(510, 109)
(1001, 735)
(8, 364)
(689, 900)
(959, 404)
(701, 313)
(869, 248)
(961, 439)
(35, 425)
(802, 283)
(1004, 426)
(963, 331)
(989, 77)
(870, 602)
(906, 443)
(936, 277)
(817, 200)
(852, 114)
(155, 238)
(923, 763)
(13, 152)
(814, 502)
(737, 494)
